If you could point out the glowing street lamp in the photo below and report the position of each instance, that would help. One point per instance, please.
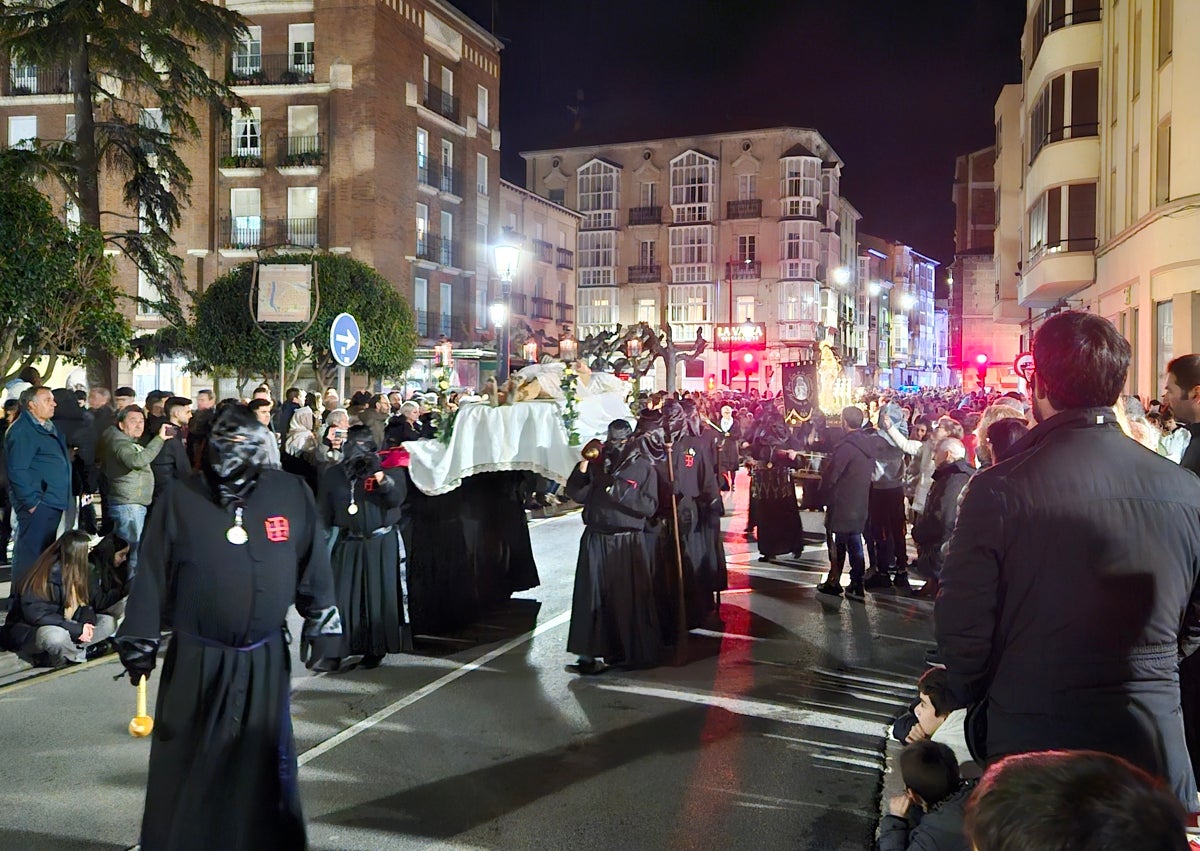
(508, 257)
(841, 276)
(907, 302)
(874, 289)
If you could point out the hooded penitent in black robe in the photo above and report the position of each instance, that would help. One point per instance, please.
(614, 611)
(366, 554)
(222, 758)
(772, 491)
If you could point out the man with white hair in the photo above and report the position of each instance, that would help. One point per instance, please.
(932, 529)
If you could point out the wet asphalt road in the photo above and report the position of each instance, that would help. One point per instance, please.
(772, 736)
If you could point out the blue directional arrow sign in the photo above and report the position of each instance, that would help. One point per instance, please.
(344, 339)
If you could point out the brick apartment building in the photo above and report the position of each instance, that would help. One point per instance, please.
(371, 130)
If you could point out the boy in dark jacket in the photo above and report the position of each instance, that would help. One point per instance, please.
(932, 784)
(932, 530)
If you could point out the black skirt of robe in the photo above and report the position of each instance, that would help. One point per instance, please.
(614, 609)
(775, 512)
(223, 762)
(470, 552)
(366, 575)
(695, 546)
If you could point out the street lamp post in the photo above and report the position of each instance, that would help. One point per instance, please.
(508, 256)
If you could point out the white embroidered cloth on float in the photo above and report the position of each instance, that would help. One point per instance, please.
(526, 436)
(600, 397)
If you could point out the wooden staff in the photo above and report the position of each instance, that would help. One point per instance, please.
(142, 723)
(681, 631)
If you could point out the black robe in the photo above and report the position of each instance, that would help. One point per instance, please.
(366, 560)
(614, 610)
(773, 497)
(222, 757)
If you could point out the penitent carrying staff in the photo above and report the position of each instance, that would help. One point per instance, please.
(223, 556)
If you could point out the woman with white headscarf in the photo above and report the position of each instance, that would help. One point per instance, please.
(301, 440)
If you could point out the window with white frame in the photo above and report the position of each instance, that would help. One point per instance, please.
(799, 249)
(597, 258)
(481, 173)
(801, 188)
(422, 229)
(900, 334)
(829, 308)
(69, 131)
(22, 131)
(302, 215)
(446, 257)
(481, 106)
(599, 194)
(747, 187)
(596, 307)
(421, 305)
(647, 253)
(647, 311)
(422, 154)
(692, 180)
(446, 309)
(690, 304)
(798, 301)
(71, 214)
(648, 194)
(744, 310)
(691, 253)
(245, 212)
(747, 248)
(448, 81)
(149, 292)
(247, 53)
(482, 305)
(302, 39)
(247, 133)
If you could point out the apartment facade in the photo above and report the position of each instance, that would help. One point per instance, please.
(981, 349)
(1106, 181)
(542, 301)
(371, 130)
(741, 237)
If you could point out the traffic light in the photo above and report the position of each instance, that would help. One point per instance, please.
(749, 363)
(712, 383)
(982, 360)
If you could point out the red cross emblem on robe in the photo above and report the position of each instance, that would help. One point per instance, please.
(277, 529)
(689, 458)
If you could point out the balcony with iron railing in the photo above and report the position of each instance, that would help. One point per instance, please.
(518, 305)
(645, 274)
(564, 311)
(565, 258)
(744, 270)
(439, 249)
(300, 231)
(432, 324)
(301, 151)
(450, 180)
(279, 69)
(441, 102)
(543, 308)
(544, 251)
(37, 80)
(242, 233)
(645, 215)
(745, 208)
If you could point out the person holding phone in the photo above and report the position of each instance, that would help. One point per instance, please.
(127, 467)
(337, 425)
(172, 462)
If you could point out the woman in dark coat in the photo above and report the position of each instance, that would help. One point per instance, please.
(360, 503)
(729, 435)
(772, 492)
(614, 614)
(846, 491)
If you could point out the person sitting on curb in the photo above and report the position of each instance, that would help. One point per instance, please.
(932, 718)
(56, 622)
(932, 784)
(932, 529)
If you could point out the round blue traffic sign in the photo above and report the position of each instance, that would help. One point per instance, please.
(345, 341)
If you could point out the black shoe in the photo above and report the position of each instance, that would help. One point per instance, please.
(750, 536)
(830, 588)
(877, 581)
(590, 667)
(371, 660)
(100, 648)
(854, 591)
(900, 581)
(766, 558)
(928, 591)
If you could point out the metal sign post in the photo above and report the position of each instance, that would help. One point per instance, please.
(345, 342)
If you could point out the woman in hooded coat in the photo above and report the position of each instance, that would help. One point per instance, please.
(360, 503)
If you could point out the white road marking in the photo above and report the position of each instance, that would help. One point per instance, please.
(757, 709)
(708, 633)
(833, 746)
(907, 685)
(423, 692)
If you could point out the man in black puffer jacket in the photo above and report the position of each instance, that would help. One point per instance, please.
(932, 529)
(1069, 590)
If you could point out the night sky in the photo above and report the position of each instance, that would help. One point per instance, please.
(898, 87)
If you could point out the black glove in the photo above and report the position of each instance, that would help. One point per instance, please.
(138, 655)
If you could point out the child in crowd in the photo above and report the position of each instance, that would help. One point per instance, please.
(932, 718)
(932, 785)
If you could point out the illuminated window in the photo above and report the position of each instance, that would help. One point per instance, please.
(691, 253)
(599, 194)
(692, 187)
